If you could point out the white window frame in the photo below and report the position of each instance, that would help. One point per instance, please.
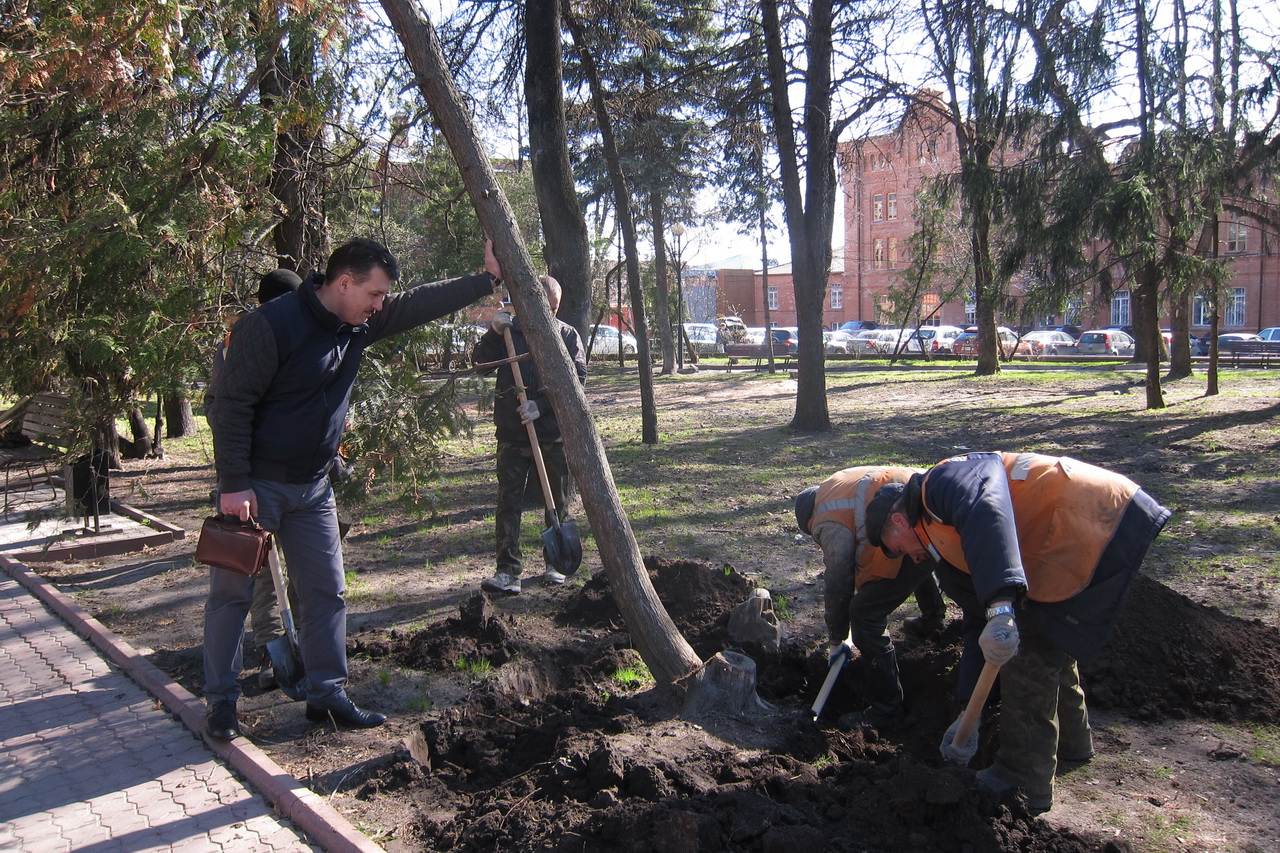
(893, 253)
(1236, 305)
(1237, 238)
(970, 311)
(891, 206)
(878, 255)
(773, 297)
(1200, 310)
(837, 297)
(877, 207)
(1120, 308)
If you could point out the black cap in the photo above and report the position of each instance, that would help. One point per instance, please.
(277, 283)
(879, 509)
(804, 507)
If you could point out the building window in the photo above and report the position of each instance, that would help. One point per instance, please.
(879, 254)
(837, 298)
(927, 151)
(893, 253)
(1200, 311)
(931, 310)
(891, 202)
(877, 208)
(1120, 308)
(1072, 315)
(773, 298)
(1235, 307)
(1237, 236)
(970, 310)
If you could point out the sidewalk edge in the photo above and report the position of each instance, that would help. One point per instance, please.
(322, 823)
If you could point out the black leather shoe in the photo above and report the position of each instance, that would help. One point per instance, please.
(923, 627)
(220, 721)
(341, 711)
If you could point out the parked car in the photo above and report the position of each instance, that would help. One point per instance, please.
(1105, 342)
(1227, 342)
(732, 330)
(785, 341)
(1050, 343)
(606, 342)
(885, 342)
(704, 338)
(966, 345)
(864, 342)
(855, 326)
(1271, 333)
(753, 335)
(937, 339)
(1074, 331)
(837, 343)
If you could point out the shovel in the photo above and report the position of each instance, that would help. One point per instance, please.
(832, 674)
(286, 657)
(561, 545)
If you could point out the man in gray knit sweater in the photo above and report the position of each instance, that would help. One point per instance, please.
(282, 403)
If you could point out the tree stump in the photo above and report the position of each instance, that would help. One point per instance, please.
(726, 685)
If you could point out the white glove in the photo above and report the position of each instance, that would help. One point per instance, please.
(840, 650)
(528, 412)
(999, 640)
(958, 753)
(500, 322)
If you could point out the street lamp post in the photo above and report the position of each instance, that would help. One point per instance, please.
(678, 231)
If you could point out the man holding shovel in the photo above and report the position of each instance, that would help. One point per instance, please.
(1039, 552)
(863, 586)
(282, 404)
(516, 461)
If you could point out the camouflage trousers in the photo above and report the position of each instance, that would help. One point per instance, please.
(1043, 717)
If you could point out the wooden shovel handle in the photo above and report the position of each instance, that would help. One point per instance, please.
(977, 699)
(533, 431)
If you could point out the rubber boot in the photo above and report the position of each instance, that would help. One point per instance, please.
(882, 687)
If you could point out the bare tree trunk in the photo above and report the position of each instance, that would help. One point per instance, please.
(140, 446)
(983, 287)
(764, 282)
(157, 440)
(179, 418)
(668, 655)
(1180, 351)
(567, 249)
(661, 310)
(627, 224)
(1148, 283)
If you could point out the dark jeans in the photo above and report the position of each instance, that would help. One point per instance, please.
(869, 615)
(516, 470)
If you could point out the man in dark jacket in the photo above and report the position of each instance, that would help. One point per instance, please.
(1039, 552)
(282, 404)
(515, 455)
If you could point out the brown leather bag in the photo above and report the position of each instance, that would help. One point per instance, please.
(228, 543)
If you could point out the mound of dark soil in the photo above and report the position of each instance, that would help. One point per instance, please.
(697, 596)
(477, 632)
(1172, 657)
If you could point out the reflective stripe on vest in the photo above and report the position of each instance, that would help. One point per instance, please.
(842, 498)
(1065, 512)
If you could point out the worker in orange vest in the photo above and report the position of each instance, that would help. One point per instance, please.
(1039, 552)
(862, 585)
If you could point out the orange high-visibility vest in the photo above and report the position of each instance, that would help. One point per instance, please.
(1065, 512)
(843, 498)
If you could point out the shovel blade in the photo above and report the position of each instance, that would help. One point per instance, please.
(288, 666)
(562, 548)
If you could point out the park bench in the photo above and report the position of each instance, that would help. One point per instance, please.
(759, 352)
(46, 423)
(1260, 351)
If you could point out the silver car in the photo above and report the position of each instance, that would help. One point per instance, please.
(1105, 342)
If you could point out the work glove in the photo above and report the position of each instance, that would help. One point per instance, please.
(501, 322)
(843, 650)
(958, 753)
(999, 640)
(528, 412)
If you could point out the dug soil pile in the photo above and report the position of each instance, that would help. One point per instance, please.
(1173, 658)
(568, 764)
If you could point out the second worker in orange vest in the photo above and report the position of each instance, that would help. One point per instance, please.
(862, 586)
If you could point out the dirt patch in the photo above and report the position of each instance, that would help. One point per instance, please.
(476, 634)
(1173, 658)
(697, 596)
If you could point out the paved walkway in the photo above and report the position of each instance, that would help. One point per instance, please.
(89, 761)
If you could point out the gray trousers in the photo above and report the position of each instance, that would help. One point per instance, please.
(305, 520)
(516, 472)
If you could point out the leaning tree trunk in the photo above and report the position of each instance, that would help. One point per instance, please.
(668, 655)
(567, 249)
(140, 446)
(627, 224)
(179, 419)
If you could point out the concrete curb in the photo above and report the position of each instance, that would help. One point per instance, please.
(323, 824)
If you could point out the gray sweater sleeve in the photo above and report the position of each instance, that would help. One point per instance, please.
(426, 302)
(250, 366)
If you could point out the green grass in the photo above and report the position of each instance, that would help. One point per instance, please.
(474, 667)
(634, 676)
(782, 608)
(421, 704)
(384, 677)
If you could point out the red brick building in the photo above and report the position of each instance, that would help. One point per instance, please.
(741, 293)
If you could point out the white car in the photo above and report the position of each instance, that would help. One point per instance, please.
(1050, 343)
(837, 343)
(1271, 333)
(704, 338)
(606, 342)
(937, 339)
(1105, 342)
(753, 335)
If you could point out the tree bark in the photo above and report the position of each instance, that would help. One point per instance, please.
(179, 419)
(140, 446)
(1148, 284)
(564, 228)
(157, 439)
(627, 224)
(808, 227)
(1180, 351)
(668, 655)
(661, 309)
